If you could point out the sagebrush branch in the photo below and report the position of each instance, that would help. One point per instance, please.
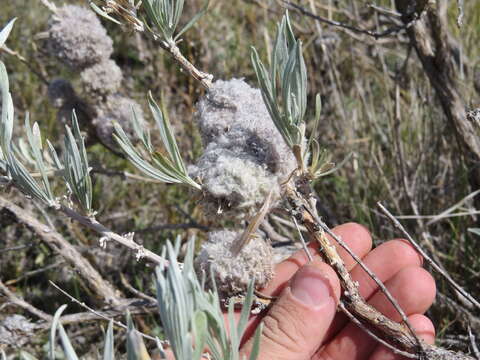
(400, 335)
(95, 282)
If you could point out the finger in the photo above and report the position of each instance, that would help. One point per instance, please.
(385, 261)
(424, 329)
(414, 290)
(295, 325)
(355, 236)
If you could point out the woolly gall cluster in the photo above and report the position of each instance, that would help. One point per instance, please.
(245, 156)
(77, 38)
(233, 274)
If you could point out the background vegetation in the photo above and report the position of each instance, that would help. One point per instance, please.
(377, 103)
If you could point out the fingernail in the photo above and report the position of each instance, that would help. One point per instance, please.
(311, 287)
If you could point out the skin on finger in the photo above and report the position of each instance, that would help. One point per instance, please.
(385, 261)
(295, 325)
(414, 297)
(355, 236)
(424, 329)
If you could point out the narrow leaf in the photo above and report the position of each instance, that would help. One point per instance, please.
(67, 345)
(192, 21)
(108, 351)
(53, 330)
(6, 31)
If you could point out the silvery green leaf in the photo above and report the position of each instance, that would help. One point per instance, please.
(35, 141)
(192, 22)
(247, 304)
(4, 356)
(138, 161)
(53, 331)
(166, 133)
(256, 343)
(141, 132)
(475, 231)
(318, 110)
(287, 70)
(165, 14)
(108, 351)
(269, 96)
(167, 167)
(24, 181)
(334, 168)
(76, 169)
(54, 155)
(102, 13)
(176, 303)
(26, 356)
(66, 344)
(200, 328)
(6, 31)
(136, 349)
(6, 124)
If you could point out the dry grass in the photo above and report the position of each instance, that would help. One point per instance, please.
(412, 163)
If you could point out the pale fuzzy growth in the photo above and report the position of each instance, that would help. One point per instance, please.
(116, 108)
(101, 79)
(236, 110)
(245, 155)
(233, 274)
(234, 184)
(77, 38)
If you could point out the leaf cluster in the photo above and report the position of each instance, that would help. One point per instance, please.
(192, 317)
(284, 83)
(162, 166)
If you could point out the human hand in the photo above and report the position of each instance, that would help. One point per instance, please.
(303, 323)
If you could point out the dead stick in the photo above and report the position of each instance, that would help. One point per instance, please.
(397, 334)
(55, 240)
(432, 263)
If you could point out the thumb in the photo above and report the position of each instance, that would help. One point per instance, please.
(298, 321)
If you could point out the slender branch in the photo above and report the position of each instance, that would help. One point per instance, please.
(353, 300)
(55, 240)
(353, 319)
(374, 34)
(15, 248)
(304, 243)
(136, 292)
(400, 336)
(18, 301)
(454, 207)
(140, 251)
(24, 61)
(35, 272)
(128, 15)
(97, 313)
(447, 277)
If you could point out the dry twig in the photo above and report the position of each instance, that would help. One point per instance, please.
(401, 336)
(447, 277)
(18, 301)
(55, 240)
